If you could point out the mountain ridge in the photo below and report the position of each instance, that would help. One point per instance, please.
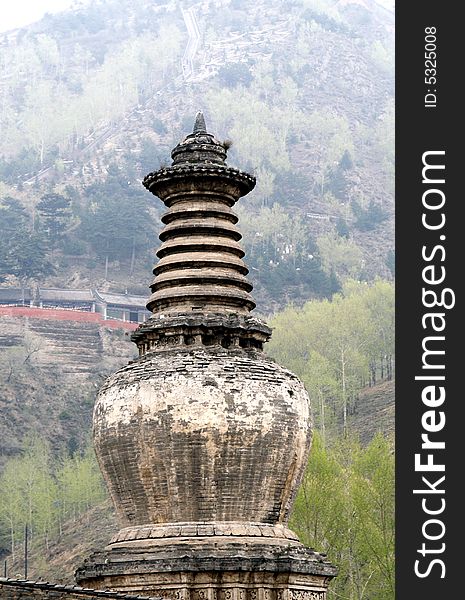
(293, 91)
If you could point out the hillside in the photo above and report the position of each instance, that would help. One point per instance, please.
(90, 531)
(50, 371)
(375, 412)
(94, 98)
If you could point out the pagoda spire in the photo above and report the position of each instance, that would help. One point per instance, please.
(200, 265)
(199, 124)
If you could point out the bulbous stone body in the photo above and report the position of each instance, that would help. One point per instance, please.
(202, 435)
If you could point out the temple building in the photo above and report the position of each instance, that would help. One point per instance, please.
(203, 440)
(111, 305)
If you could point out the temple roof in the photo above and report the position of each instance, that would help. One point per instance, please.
(71, 295)
(14, 294)
(121, 299)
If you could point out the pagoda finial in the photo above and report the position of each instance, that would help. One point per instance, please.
(199, 125)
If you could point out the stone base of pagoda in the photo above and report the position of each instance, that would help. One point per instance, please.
(211, 567)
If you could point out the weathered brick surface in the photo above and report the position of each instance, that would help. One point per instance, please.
(200, 531)
(174, 331)
(203, 435)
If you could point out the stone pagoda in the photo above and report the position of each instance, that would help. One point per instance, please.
(203, 440)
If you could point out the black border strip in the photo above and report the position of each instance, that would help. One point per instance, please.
(424, 128)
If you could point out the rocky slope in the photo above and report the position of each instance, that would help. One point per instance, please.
(375, 412)
(50, 371)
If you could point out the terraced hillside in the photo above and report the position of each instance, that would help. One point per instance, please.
(50, 371)
(68, 347)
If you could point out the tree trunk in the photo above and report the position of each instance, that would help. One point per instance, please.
(133, 255)
(106, 266)
(322, 414)
(12, 534)
(344, 394)
(372, 374)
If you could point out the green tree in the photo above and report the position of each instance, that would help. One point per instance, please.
(23, 253)
(331, 137)
(12, 220)
(370, 217)
(235, 74)
(340, 255)
(346, 332)
(338, 347)
(319, 513)
(321, 382)
(342, 228)
(379, 300)
(40, 123)
(40, 492)
(13, 216)
(27, 482)
(27, 256)
(117, 221)
(12, 515)
(54, 210)
(79, 482)
(373, 501)
(345, 507)
(338, 184)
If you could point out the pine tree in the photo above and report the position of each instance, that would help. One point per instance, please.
(117, 221)
(23, 252)
(27, 256)
(54, 210)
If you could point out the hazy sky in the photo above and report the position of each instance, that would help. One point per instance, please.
(17, 13)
